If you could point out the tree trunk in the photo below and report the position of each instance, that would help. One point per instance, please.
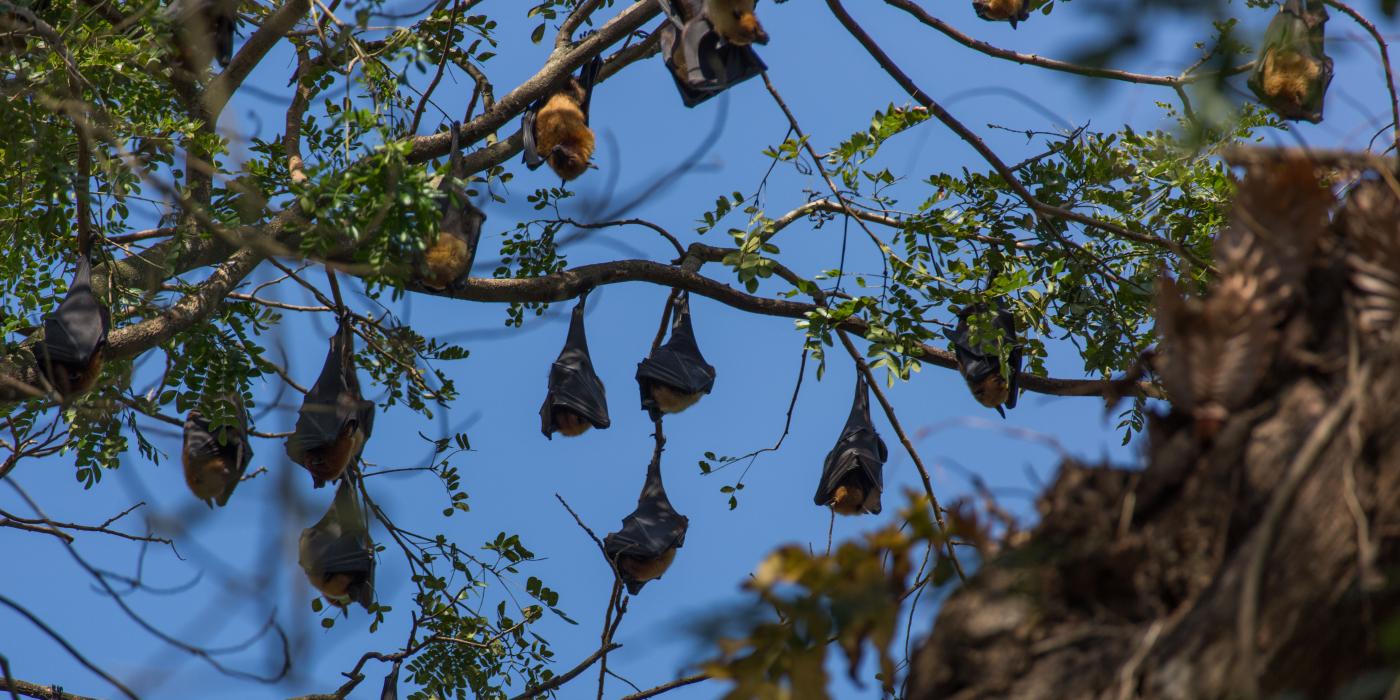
(1250, 558)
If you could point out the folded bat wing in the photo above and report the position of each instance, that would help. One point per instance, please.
(700, 62)
(78, 327)
(976, 365)
(653, 529)
(572, 382)
(859, 449)
(339, 544)
(678, 363)
(201, 443)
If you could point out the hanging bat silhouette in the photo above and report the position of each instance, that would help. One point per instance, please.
(555, 129)
(391, 684)
(646, 545)
(75, 337)
(981, 366)
(215, 461)
(676, 375)
(334, 421)
(576, 400)
(735, 21)
(853, 474)
(450, 257)
(205, 30)
(1012, 11)
(337, 554)
(702, 63)
(1293, 72)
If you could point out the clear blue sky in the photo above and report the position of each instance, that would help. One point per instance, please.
(244, 555)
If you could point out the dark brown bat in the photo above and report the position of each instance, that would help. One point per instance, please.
(981, 366)
(853, 474)
(336, 553)
(334, 421)
(75, 335)
(576, 399)
(702, 63)
(215, 461)
(675, 376)
(646, 545)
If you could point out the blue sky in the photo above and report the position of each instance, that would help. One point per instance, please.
(242, 558)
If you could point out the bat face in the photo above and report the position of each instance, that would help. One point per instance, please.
(1289, 76)
(670, 400)
(991, 391)
(569, 423)
(735, 21)
(849, 498)
(447, 261)
(207, 477)
(640, 570)
(328, 463)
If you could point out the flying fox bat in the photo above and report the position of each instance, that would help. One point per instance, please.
(555, 129)
(75, 336)
(646, 545)
(214, 461)
(981, 366)
(576, 399)
(1293, 72)
(853, 474)
(701, 62)
(334, 421)
(676, 375)
(1012, 11)
(337, 554)
(450, 257)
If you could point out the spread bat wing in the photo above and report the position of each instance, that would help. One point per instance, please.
(651, 530)
(701, 65)
(332, 401)
(339, 544)
(858, 448)
(78, 327)
(572, 382)
(678, 363)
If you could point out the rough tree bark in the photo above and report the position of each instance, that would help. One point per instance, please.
(1253, 554)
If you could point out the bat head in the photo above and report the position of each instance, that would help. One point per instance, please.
(991, 391)
(568, 162)
(749, 31)
(1000, 10)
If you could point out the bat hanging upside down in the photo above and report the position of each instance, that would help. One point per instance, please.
(643, 569)
(671, 400)
(328, 463)
(1289, 76)
(335, 588)
(735, 21)
(562, 135)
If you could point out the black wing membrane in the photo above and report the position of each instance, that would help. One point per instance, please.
(858, 451)
(700, 62)
(77, 329)
(339, 544)
(572, 382)
(678, 364)
(652, 530)
(332, 402)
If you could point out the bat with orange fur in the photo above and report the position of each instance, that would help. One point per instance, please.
(336, 553)
(556, 129)
(215, 460)
(644, 549)
(335, 420)
(980, 363)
